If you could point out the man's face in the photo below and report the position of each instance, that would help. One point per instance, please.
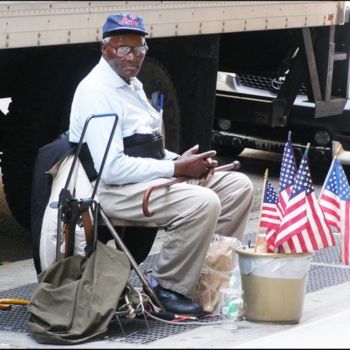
(129, 65)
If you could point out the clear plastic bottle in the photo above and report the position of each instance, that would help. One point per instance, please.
(260, 246)
(235, 279)
(231, 307)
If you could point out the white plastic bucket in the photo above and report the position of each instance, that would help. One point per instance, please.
(274, 285)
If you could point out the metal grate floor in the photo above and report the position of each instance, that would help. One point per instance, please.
(136, 331)
(325, 271)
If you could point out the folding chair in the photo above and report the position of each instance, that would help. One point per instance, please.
(86, 205)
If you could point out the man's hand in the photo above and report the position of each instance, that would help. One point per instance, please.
(192, 164)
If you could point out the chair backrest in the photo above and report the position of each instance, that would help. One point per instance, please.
(47, 157)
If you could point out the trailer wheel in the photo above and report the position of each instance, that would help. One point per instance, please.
(155, 77)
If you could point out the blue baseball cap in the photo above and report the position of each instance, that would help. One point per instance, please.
(123, 23)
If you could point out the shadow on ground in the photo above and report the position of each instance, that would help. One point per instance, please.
(15, 242)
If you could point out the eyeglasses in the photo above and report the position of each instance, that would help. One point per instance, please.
(123, 51)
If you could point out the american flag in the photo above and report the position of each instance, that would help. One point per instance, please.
(334, 200)
(303, 225)
(287, 173)
(270, 214)
(286, 181)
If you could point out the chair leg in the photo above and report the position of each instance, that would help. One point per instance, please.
(139, 241)
(133, 263)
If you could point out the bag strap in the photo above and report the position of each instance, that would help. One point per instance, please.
(89, 231)
(73, 214)
(71, 218)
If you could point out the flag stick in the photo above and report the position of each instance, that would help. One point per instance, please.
(328, 174)
(338, 149)
(261, 204)
(307, 147)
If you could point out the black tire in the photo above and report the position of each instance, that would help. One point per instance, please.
(27, 128)
(155, 77)
(39, 112)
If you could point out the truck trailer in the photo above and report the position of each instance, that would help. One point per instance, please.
(201, 53)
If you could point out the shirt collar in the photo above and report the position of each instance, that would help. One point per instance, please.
(114, 79)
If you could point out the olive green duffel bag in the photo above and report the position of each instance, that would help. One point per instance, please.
(78, 296)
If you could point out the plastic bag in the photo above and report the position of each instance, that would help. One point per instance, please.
(220, 270)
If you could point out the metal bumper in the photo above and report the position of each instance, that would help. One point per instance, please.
(224, 138)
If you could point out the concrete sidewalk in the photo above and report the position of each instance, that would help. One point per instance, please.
(324, 324)
(328, 332)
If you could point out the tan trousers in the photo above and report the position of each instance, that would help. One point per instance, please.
(190, 213)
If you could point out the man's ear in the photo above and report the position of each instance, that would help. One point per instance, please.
(103, 47)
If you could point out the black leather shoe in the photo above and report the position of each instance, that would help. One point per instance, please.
(177, 303)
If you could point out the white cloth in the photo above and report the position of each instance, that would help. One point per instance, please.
(81, 189)
(102, 91)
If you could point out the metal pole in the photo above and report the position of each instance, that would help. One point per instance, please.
(133, 263)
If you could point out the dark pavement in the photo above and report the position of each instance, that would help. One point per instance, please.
(15, 243)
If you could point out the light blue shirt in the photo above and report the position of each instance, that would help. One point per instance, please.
(103, 91)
